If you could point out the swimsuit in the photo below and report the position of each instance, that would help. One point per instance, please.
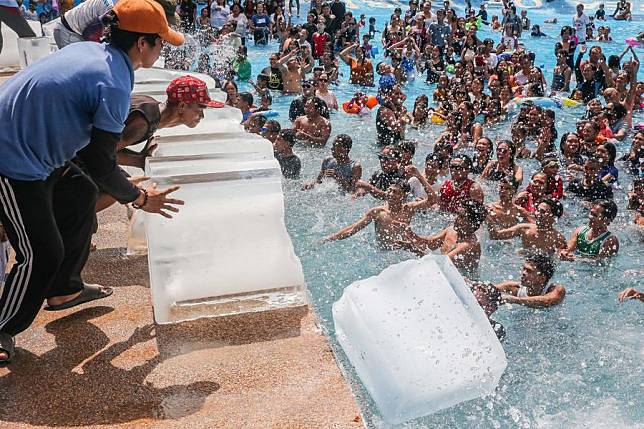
(590, 248)
(343, 170)
(451, 196)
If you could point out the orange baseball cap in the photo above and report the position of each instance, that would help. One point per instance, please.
(146, 16)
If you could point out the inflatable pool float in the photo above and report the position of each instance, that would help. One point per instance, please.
(632, 41)
(354, 108)
(270, 113)
(437, 119)
(545, 102)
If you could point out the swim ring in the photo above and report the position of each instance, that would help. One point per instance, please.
(545, 102)
(270, 113)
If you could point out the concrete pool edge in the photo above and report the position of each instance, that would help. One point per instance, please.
(108, 364)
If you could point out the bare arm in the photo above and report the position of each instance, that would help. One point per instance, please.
(567, 254)
(431, 194)
(344, 54)
(610, 247)
(508, 233)
(555, 296)
(352, 229)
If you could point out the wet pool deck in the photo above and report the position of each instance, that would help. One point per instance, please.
(107, 364)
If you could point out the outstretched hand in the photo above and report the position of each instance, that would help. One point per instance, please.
(158, 201)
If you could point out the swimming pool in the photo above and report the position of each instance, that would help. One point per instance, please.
(574, 365)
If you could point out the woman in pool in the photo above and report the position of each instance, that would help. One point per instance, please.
(607, 154)
(419, 117)
(230, 88)
(536, 191)
(484, 148)
(594, 241)
(570, 149)
(504, 165)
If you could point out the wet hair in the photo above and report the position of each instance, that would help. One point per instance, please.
(593, 160)
(511, 181)
(273, 125)
(288, 134)
(467, 161)
(613, 61)
(343, 140)
(544, 265)
(407, 146)
(435, 157)
(555, 206)
(123, 39)
(247, 97)
(320, 105)
(612, 152)
(511, 146)
(609, 208)
(402, 183)
(620, 110)
(475, 213)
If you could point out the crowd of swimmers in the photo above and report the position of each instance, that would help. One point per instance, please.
(477, 84)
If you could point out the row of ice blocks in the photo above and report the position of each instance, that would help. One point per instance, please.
(418, 339)
(227, 251)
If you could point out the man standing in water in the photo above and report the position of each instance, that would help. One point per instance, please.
(313, 129)
(391, 219)
(594, 241)
(540, 236)
(505, 213)
(47, 204)
(460, 187)
(458, 242)
(533, 290)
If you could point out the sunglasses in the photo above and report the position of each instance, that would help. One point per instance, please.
(323, 80)
(386, 157)
(455, 167)
(502, 150)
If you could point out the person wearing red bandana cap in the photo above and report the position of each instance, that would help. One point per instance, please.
(187, 97)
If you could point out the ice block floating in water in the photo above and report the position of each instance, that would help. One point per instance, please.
(418, 339)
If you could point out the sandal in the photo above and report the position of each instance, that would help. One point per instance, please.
(7, 345)
(90, 293)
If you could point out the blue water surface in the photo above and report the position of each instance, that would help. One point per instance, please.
(577, 365)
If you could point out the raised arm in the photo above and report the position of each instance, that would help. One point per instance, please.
(431, 198)
(344, 54)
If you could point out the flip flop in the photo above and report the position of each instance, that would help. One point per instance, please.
(7, 345)
(90, 292)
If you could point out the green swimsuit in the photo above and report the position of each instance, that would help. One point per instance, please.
(590, 248)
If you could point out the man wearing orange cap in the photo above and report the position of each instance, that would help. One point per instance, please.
(80, 98)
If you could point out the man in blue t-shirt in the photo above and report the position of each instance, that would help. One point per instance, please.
(72, 103)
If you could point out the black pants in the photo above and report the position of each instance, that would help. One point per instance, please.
(49, 224)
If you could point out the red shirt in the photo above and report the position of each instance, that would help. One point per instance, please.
(319, 43)
(452, 197)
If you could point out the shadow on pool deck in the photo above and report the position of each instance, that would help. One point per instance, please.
(107, 363)
(101, 393)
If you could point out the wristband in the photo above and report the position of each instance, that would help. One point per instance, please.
(145, 200)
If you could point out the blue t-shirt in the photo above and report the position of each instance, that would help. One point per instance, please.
(260, 20)
(47, 111)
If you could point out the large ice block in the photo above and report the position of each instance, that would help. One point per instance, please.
(239, 142)
(418, 339)
(10, 58)
(227, 251)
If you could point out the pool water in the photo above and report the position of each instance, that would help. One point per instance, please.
(575, 365)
